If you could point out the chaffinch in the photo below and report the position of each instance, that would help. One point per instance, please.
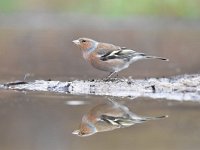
(108, 57)
(109, 116)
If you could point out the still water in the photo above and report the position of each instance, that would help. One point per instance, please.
(45, 121)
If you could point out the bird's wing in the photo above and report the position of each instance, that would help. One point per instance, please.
(104, 48)
(118, 121)
(107, 51)
(125, 54)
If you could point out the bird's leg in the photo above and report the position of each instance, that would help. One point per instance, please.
(110, 74)
(108, 77)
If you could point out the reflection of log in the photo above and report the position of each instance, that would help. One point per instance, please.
(184, 87)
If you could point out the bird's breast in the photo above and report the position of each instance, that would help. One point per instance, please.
(108, 65)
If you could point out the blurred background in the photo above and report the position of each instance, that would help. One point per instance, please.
(36, 38)
(173, 8)
(36, 35)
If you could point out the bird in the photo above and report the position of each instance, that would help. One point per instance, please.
(108, 116)
(108, 57)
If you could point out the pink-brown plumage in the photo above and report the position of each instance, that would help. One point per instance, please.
(107, 117)
(109, 57)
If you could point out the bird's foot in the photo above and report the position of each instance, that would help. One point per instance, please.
(110, 79)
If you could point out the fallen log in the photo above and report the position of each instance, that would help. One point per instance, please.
(180, 88)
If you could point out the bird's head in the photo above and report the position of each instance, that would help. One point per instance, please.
(85, 130)
(86, 45)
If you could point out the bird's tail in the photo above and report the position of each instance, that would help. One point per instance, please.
(153, 118)
(155, 57)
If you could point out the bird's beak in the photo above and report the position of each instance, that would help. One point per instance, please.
(77, 42)
(76, 132)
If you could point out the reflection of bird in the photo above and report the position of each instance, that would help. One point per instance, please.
(108, 57)
(109, 116)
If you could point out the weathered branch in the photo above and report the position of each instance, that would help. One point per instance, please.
(184, 87)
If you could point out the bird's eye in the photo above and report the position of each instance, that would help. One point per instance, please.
(83, 41)
(81, 133)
